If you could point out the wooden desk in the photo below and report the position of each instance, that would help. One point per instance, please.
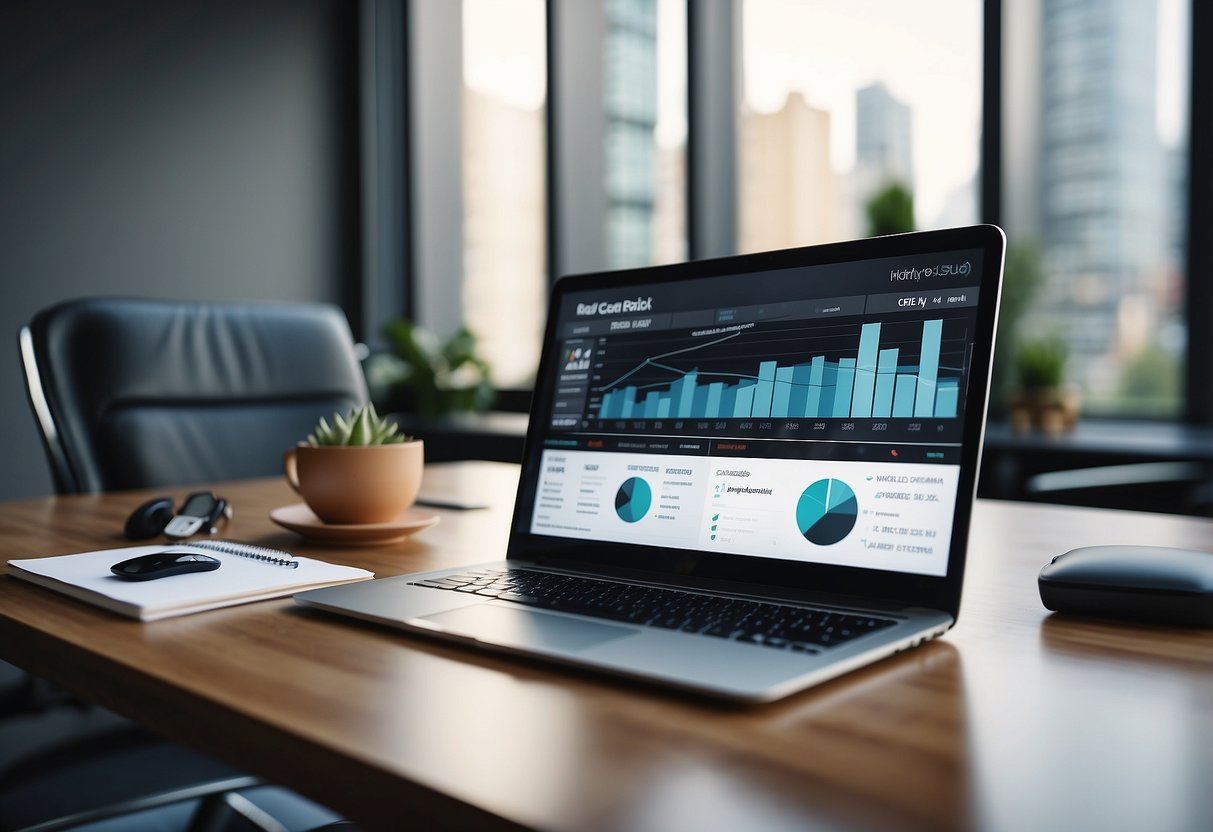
(1015, 720)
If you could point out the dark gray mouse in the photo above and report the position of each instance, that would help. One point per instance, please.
(164, 564)
(1145, 583)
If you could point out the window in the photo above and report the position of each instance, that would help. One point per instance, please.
(619, 125)
(504, 182)
(1095, 119)
(833, 102)
(845, 99)
(645, 107)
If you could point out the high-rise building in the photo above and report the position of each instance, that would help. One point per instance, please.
(630, 78)
(1102, 184)
(669, 216)
(503, 225)
(882, 136)
(786, 183)
(883, 149)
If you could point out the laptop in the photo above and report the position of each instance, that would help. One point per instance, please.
(743, 476)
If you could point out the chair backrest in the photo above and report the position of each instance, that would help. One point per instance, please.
(134, 393)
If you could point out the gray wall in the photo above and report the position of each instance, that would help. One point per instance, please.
(170, 148)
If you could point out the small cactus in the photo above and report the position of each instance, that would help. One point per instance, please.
(362, 427)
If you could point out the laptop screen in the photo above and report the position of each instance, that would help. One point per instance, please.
(768, 407)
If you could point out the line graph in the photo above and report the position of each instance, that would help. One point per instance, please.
(653, 360)
(854, 380)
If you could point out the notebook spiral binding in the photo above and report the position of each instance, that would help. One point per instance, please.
(247, 550)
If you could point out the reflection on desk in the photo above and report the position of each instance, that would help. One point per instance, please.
(1017, 719)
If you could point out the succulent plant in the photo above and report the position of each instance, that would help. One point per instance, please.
(428, 377)
(1042, 363)
(361, 427)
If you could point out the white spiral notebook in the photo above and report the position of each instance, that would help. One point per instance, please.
(246, 573)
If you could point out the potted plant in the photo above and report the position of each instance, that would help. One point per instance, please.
(363, 427)
(359, 469)
(1041, 401)
(427, 377)
(1023, 275)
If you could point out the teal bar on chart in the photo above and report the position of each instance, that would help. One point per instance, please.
(886, 376)
(674, 394)
(946, 399)
(781, 398)
(728, 399)
(801, 374)
(829, 386)
(869, 385)
(743, 406)
(865, 371)
(764, 389)
(928, 368)
(683, 403)
(846, 384)
(812, 405)
(903, 397)
(650, 404)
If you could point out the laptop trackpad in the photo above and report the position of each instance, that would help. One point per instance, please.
(512, 627)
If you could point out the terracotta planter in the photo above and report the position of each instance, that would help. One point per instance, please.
(1050, 410)
(352, 485)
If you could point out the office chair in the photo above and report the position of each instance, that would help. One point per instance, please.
(134, 393)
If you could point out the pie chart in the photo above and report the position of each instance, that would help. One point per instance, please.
(826, 512)
(633, 499)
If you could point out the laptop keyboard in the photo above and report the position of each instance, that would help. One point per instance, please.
(778, 626)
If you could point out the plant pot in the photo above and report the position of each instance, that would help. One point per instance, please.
(353, 485)
(1050, 410)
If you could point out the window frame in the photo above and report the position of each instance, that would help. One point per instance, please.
(713, 60)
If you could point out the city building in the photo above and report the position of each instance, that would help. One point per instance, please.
(503, 220)
(1104, 207)
(630, 80)
(787, 188)
(883, 149)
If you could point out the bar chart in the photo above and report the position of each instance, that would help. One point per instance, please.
(869, 379)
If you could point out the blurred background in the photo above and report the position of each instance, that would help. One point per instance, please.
(440, 163)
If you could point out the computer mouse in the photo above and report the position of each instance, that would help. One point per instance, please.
(1142, 583)
(164, 564)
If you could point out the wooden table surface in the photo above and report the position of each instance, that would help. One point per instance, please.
(1015, 720)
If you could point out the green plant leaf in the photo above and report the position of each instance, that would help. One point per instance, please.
(440, 377)
(362, 427)
(361, 432)
(1041, 364)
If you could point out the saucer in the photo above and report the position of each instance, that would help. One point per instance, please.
(300, 519)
